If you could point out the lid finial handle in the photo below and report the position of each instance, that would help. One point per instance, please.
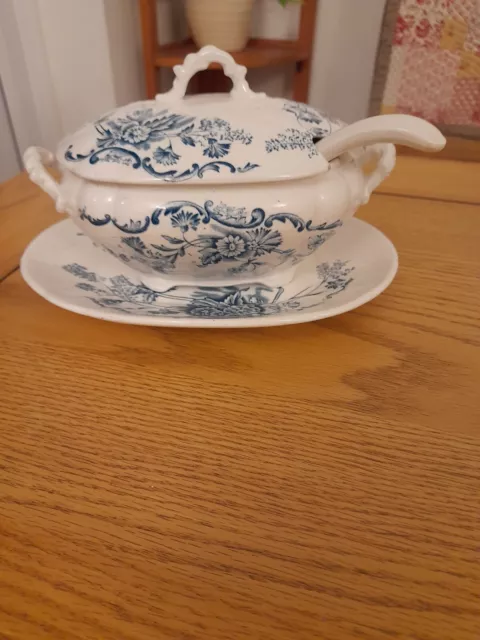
(201, 60)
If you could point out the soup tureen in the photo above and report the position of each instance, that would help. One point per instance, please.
(220, 188)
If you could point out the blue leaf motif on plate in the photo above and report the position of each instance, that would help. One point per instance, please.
(81, 272)
(120, 295)
(232, 305)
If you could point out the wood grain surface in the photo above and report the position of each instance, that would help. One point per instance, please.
(451, 180)
(319, 481)
(24, 211)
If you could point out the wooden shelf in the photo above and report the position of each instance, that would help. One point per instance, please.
(258, 53)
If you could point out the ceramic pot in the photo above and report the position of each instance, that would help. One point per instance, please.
(223, 23)
(222, 188)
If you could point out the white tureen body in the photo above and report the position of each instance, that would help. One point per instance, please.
(219, 188)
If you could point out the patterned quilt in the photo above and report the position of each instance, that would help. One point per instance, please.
(434, 69)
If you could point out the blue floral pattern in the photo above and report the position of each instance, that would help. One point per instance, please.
(315, 127)
(308, 116)
(120, 294)
(125, 140)
(210, 234)
(293, 139)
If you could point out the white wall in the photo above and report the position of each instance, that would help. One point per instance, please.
(346, 42)
(14, 72)
(79, 59)
(65, 62)
(271, 20)
(9, 159)
(123, 31)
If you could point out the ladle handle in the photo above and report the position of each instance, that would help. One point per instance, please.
(399, 129)
(385, 156)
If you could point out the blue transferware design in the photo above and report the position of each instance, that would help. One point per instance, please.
(308, 115)
(315, 128)
(124, 141)
(209, 234)
(293, 139)
(121, 295)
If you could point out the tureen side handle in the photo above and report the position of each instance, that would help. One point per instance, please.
(35, 159)
(201, 60)
(384, 155)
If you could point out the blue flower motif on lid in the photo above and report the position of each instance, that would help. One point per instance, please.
(125, 139)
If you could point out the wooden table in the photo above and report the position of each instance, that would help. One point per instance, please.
(319, 481)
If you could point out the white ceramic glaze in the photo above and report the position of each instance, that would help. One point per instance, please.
(64, 267)
(398, 129)
(219, 189)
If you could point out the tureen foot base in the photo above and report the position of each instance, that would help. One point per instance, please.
(279, 277)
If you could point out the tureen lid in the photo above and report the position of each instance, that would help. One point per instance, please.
(238, 137)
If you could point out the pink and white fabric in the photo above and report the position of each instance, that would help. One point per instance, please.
(435, 62)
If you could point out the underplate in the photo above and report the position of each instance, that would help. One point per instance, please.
(64, 267)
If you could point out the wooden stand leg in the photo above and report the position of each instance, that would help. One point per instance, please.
(301, 81)
(148, 20)
(306, 36)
